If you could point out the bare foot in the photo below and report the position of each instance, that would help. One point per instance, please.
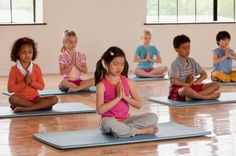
(148, 130)
(74, 89)
(214, 95)
(19, 109)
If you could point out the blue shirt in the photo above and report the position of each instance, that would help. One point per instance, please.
(226, 64)
(141, 52)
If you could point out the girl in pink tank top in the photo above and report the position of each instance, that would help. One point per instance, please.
(115, 93)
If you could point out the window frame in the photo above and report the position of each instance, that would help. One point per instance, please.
(11, 23)
(214, 20)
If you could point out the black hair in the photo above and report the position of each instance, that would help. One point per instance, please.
(18, 44)
(107, 57)
(222, 35)
(180, 39)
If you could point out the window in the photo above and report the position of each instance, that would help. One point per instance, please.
(189, 11)
(21, 11)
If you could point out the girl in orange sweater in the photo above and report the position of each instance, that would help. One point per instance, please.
(25, 79)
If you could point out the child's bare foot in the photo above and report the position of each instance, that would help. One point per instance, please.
(214, 95)
(148, 130)
(188, 99)
(19, 109)
(74, 89)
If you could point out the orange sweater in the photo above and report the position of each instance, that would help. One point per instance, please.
(17, 85)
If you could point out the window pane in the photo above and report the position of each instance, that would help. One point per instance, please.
(22, 11)
(152, 11)
(168, 10)
(5, 14)
(186, 10)
(204, 10)
(225, 10)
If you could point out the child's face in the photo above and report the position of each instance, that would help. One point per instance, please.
(26, 53)
(183, 50)
(116, 66)
(70, 42)
(224, 43)
(146, 39)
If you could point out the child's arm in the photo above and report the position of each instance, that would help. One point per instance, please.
(202, 77)
(157, 60)
(82, 67)
(12, 86)
(37, 82)
(102, 107)
(233, 56)
(64, 69)
(217, 60)
(134, 100)
(137, 59)
(177, 82)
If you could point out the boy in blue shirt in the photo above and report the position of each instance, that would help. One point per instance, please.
(222, 59)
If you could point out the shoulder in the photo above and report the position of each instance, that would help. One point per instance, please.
(36, 67)
(100, 86)
(139, 47)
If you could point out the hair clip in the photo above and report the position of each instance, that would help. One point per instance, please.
(25, 39)
(112, 53)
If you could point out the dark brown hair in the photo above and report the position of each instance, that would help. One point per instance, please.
(17, 46)
(107, 57)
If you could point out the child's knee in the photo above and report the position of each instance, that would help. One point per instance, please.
(221, 76)
(152, 118)
(54, 100)
(216, 85)
(107, 124)
(187, 91)
(12, 99)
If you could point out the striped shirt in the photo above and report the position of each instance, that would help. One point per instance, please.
(181, 68)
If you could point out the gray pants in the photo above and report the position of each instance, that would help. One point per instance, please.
(127, 128)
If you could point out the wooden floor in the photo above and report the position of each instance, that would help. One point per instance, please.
(16, 133)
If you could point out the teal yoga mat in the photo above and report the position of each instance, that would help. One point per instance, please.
(48, 92)
(94, 137)
(58, 109)
(225, 98)
(135, 78)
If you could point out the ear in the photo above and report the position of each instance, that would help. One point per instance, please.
(177, 50)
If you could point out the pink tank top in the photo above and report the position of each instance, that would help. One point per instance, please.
(121, 109)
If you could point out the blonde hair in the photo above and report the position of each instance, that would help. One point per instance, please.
(147, 32)
(67, 33)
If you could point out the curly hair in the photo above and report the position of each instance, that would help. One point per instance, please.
(17, 46)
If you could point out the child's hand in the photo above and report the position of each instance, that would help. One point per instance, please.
(27, 78)
(227, 52)
(118, 91)
(147, 56)
(190, 79)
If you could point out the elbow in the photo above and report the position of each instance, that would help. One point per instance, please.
(139, 105)
(99, 111)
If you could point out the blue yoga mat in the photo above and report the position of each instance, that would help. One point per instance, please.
(48, 92)
(58, 109)
(225, 98)
(135, 78)
(221, 83)
(94, 137)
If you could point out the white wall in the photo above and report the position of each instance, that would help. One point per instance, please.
(100, 24)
